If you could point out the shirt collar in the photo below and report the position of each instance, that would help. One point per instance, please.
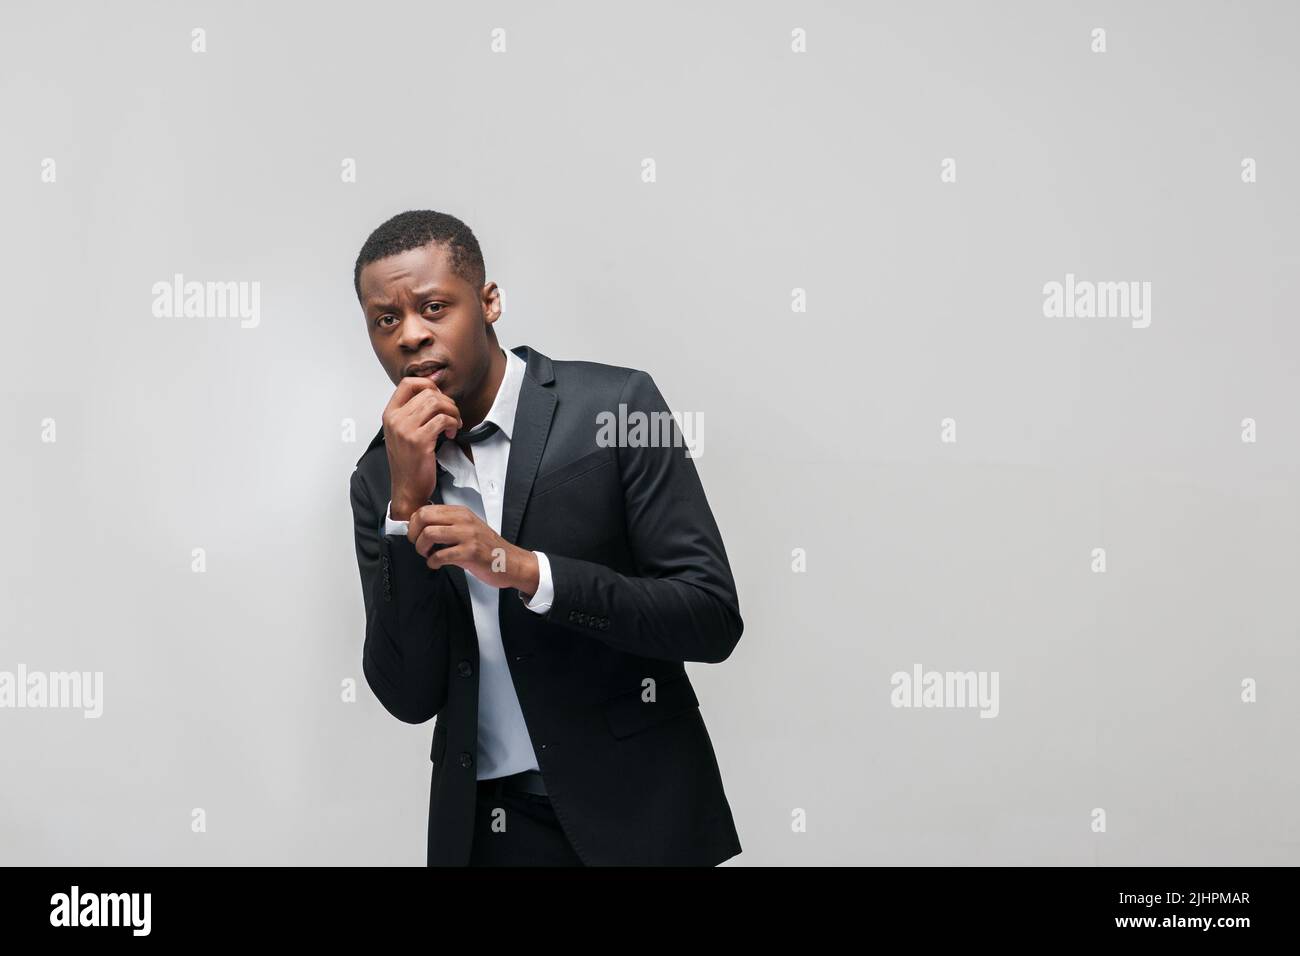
(502, 412)
(504, 405)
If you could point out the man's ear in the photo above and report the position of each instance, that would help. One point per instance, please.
(491, 302)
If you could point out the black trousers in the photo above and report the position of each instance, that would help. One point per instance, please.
(515, 828)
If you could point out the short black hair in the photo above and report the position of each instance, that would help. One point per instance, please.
(419, 227)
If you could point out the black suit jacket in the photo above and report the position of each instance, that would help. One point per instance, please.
(642, 585)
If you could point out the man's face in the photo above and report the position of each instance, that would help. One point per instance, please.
(424, 319)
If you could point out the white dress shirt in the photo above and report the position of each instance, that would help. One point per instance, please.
(504, 746)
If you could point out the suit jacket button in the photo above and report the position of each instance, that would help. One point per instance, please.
(466, 760)
(464, 669)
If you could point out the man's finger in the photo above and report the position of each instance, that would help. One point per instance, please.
(433, 535)
(440, 423)
(443, 557)
(430, 514)
(407, 389)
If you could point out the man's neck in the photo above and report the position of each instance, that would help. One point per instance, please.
(496, 373)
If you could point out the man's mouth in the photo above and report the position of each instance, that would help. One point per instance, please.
(432, 370)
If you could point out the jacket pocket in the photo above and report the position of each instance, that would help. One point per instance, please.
(627, 714)
(580, 466)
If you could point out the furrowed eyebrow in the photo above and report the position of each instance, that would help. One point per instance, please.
(419, 294)
(431, 290)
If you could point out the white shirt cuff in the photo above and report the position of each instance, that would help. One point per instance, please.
(391, 526)
(541, 602)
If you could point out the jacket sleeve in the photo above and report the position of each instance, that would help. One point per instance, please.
(406, 653)
(681, 603)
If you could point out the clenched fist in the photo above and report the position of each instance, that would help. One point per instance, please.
(415, 417)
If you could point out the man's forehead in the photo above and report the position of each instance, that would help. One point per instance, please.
(422, 269)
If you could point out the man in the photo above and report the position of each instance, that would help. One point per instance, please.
(533, 585)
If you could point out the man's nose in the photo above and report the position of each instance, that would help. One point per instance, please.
(414, 334)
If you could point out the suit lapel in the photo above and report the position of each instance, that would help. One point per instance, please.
(532, 426)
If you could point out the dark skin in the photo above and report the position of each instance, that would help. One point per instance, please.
(432, 332)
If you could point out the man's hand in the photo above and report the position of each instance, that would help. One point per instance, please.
(453, 534)
(415, 416)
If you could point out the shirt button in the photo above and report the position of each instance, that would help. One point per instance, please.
(492, 486)
(466, 760)
(464, 669)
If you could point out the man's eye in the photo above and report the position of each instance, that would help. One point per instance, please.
(433, 304)
(383, 317)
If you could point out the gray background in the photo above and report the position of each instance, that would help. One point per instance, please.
(776, 170)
